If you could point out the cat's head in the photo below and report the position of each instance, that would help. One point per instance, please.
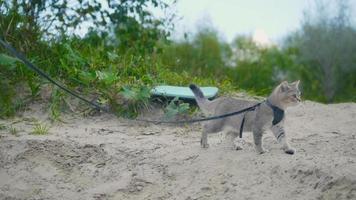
(287, 94)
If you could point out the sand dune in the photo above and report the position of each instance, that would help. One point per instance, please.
(103, 157)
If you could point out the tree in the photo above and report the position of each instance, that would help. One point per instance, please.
(129, 20)
(327, 48)
(122, 34)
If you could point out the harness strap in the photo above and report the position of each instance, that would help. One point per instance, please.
(280, 135)
(278, 114)
(244, 118)
(242, 125)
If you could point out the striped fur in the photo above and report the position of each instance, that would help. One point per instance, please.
(258, 121)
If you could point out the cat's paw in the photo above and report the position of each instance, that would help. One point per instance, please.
(237, 147)
(290, 151)
(261, 150)
(238, 144)
(204, 145)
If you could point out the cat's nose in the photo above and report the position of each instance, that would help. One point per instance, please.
(297, 97)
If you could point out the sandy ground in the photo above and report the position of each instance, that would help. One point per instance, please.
(103, 157)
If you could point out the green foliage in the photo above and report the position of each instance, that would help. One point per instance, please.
(204, 55)
(326, 50)
(6, 107)
(40, 129)
(56, 101)
(13, 130)
(174, 108)
(260, 69)
(240, 65)
(8, 66)
(136, 98)
(120, 51)
(8, 61)
(53, 18)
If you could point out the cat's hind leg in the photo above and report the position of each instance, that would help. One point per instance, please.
(231, 136)
(208, 128)
(204, 136)
(257, 137)
(204, 139)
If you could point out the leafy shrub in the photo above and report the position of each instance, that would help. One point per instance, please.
(8, 65)
(136, 98)
(174, 108)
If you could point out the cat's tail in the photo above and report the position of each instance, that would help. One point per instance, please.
(199, 96)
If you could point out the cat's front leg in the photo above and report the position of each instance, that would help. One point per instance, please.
(280, 135)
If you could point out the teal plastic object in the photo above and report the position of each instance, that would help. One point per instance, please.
(182, 92)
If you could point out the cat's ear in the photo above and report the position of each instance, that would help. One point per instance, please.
(295, 83)
(284, 86)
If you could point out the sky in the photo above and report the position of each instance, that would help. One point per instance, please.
(268, 19)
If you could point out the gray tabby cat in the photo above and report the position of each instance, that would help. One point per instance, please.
(258, 121)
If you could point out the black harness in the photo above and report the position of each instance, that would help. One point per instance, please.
(278, 115)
